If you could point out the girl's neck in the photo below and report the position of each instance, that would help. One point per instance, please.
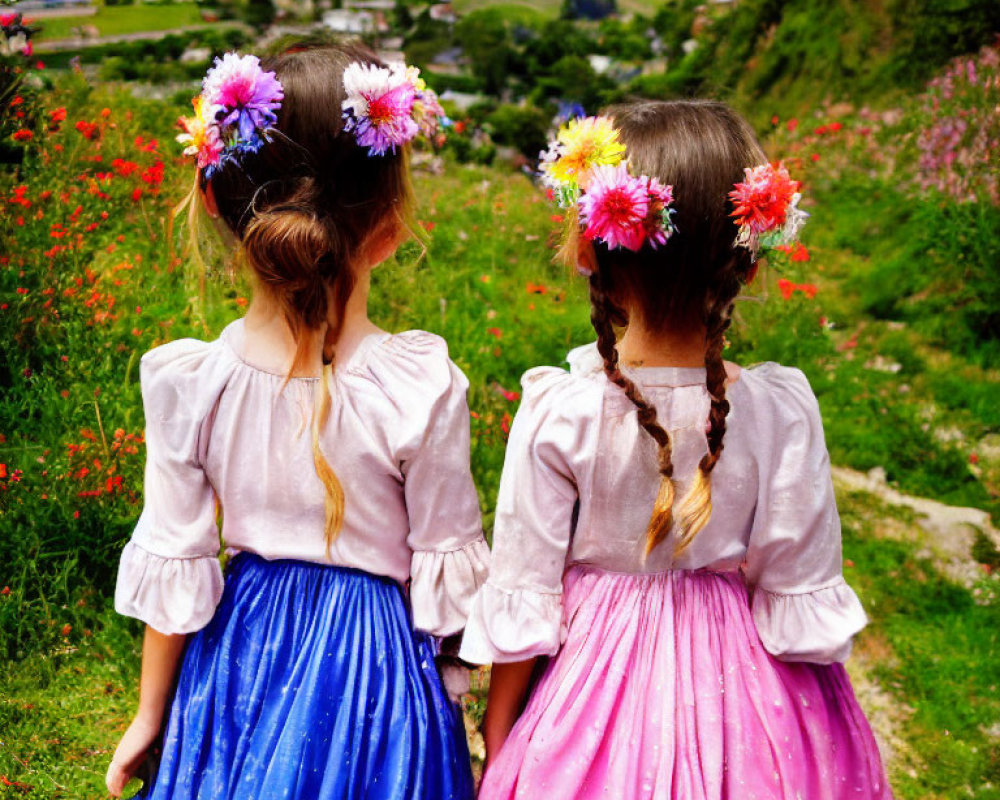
(269, 340)
(642, 347)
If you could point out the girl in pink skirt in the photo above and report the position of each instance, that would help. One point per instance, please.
(666, 533)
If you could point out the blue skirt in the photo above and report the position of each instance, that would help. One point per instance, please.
(310, 683)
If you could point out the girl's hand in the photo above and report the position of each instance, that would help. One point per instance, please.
(131, 752)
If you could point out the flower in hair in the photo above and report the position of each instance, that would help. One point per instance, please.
(236, 109)
(246, 97)
(581, 145)
(379, 106)
(766, 207)
(201, 135)
(622, 210)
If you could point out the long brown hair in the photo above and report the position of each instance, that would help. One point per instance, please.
(305, 206)
(701, 149)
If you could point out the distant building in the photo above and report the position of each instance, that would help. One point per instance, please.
(345, 20)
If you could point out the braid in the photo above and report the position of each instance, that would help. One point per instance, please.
(696, 508)
(603, 312)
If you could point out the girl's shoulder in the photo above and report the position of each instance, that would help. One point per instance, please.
(565, 392)
(411, 366)
(185, 376)
(779, 399)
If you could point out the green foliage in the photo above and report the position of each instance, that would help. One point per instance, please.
(525, 128)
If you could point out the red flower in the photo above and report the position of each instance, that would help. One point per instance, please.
(799, 253)
(814, 157)
(136, 195)
(763, 197)
(3, 470)
(89, 130)
(835, 126)
(775, 120)
(792, 124)
(123, 167)
(59, 115)
(154, 177)
(786, 287)
(23, 135)
(495, 332)
(105, 112)
(536, 288)
(66, 629)
(505, 423)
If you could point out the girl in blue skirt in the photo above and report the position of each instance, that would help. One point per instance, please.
(338, 453)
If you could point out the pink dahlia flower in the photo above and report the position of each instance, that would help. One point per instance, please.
(614, 208)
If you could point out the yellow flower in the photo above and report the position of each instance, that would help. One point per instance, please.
(583, 144)
(195, 129)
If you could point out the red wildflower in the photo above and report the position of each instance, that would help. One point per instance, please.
(494, 332)
(536, 288)
(105, 112)
(786, 287)
(89, 130)
(59, 115)
(16, 101)
(66, 629)
(792, 124)
(123, 167)
(136, 195)
(835, 126)
(814, 157)
(154, 177)
(799, 253)
(3, 470)
(23, 135)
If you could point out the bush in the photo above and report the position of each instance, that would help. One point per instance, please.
(523, 127)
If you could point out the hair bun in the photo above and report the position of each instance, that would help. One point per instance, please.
(288, 247)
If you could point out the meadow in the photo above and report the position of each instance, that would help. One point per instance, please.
(890, 307)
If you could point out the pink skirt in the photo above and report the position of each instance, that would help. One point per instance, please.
(664, 690)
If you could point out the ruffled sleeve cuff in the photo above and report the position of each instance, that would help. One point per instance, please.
(443, 583)
(513, 625)
(814, 626)
(171, 595)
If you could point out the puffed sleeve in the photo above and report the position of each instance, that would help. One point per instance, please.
(450, 556)
(801, 605)
(518, 614)
(169, 575)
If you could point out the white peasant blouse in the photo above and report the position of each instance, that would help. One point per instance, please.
(222, 435)
(579, 483)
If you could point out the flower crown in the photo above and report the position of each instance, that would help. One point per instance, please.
(587, 170)
(386, 107)
(234, 113)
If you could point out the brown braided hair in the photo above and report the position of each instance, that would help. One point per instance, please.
(305, 207)
(701, 149)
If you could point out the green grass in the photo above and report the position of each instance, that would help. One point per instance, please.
(936, 654)
(117, 20)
